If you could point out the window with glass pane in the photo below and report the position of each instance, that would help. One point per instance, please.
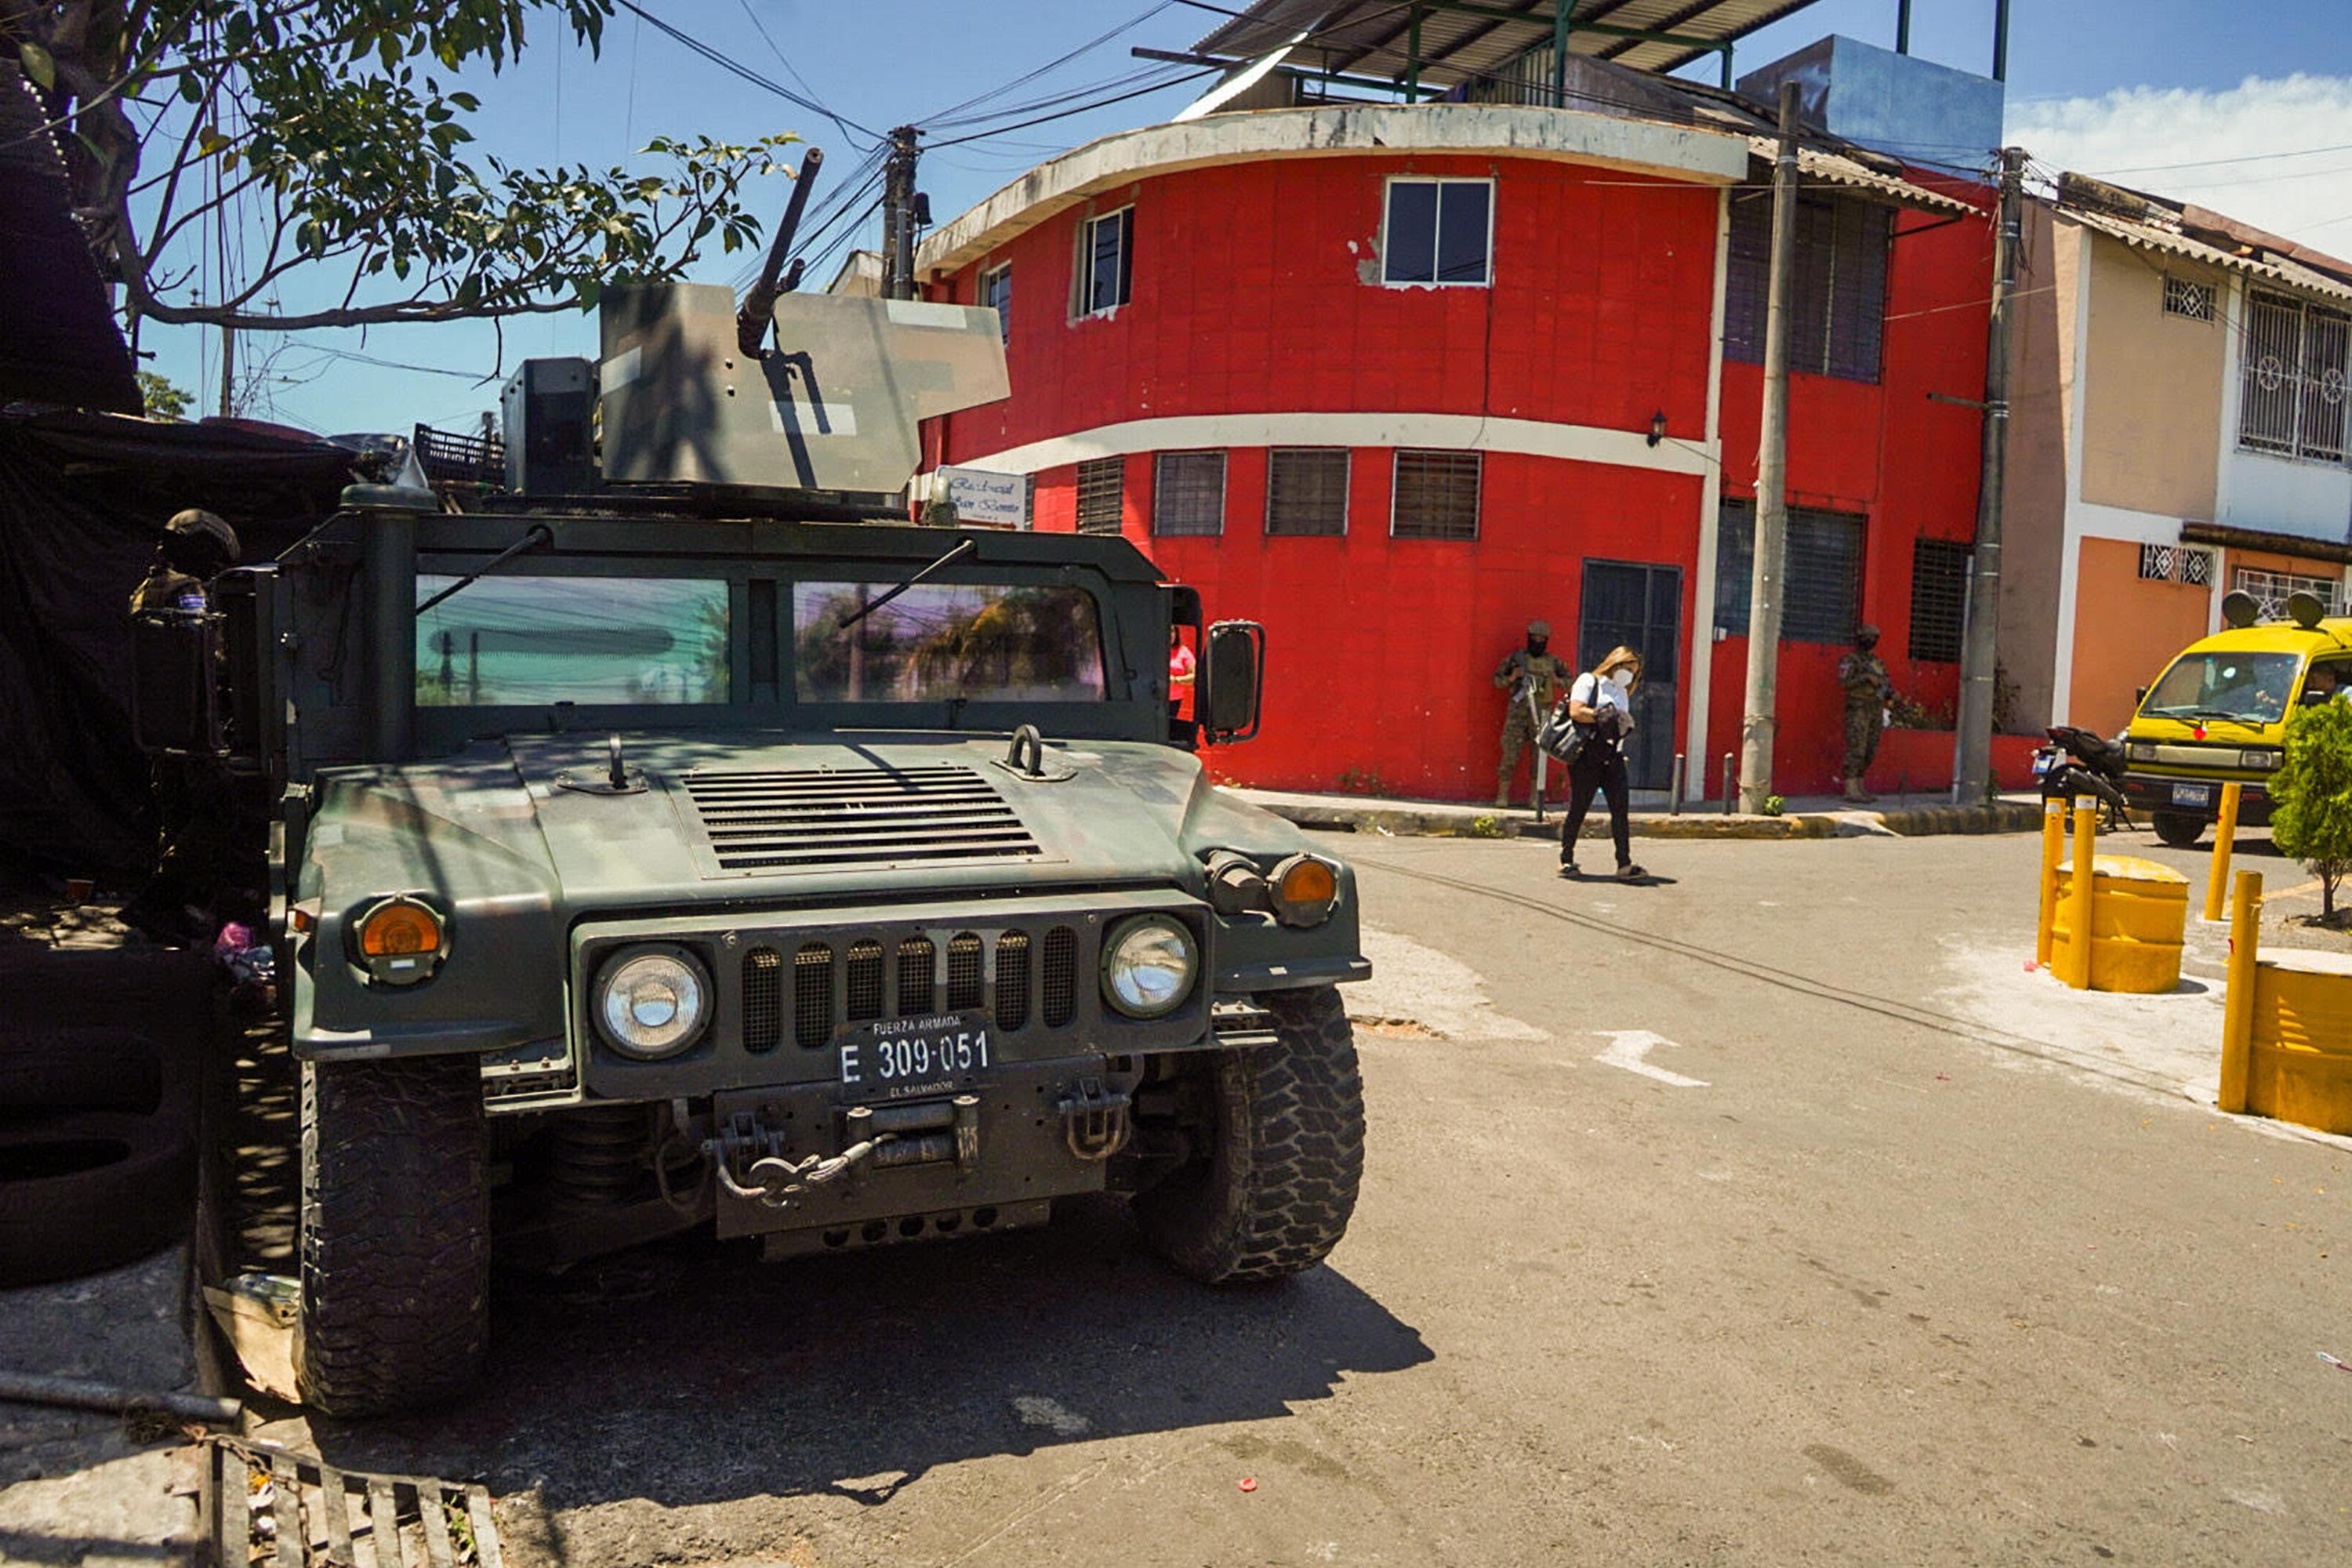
(996, 293)
(1437, 231)
(938, 642)
(1822, 583)
(2292, 380)
(1101, 485)
(1940, 597)
(1107, 266)
(1306, 490)
(1436, 496)
(532, 641)
(1188, 493)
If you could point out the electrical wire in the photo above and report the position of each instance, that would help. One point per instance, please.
(1080, 108)
(727, 63)
(1054, 64)
(759, 26)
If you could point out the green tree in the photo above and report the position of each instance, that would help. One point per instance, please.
(164, 401)
(2313, 821)
(328, 119)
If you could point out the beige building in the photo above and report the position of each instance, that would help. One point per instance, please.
(2179, 430)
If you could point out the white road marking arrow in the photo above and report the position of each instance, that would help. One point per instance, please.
(1628, 1047)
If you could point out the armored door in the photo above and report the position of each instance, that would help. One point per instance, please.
(1640, 605)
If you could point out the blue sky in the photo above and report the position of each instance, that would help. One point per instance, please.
(2094, 84)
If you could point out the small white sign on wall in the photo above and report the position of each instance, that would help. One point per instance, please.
(982, 495)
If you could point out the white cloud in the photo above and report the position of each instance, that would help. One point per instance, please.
(2140, 137)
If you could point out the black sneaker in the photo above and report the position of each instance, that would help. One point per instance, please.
(1569, 872)
(1629, 872)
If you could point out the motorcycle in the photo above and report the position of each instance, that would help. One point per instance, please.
(2077, 763)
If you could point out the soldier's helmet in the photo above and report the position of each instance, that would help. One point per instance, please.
(1865, 635)
(1540, 629)
(200, 543)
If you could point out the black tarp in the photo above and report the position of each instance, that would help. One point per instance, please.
(83, 498)
(58, 342)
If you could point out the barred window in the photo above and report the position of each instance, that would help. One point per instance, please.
(1940, 597)
(1106, 261)
(2272, 589)
(1306, 490)
(2183, 563)
(1837, 298)
(2291, 386)
(2185, 297)
(1822, 586)
(1101, 491)
(996, 293)
(1188, 493)
(1436, 495)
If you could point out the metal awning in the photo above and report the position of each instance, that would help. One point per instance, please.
(1831, 168)
(1447, 43)
(2279, 271)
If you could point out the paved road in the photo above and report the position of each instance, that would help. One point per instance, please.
(1925, 1262)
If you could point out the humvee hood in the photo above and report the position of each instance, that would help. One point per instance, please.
(776, 819)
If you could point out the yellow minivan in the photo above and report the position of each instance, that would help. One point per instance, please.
(2218, 712)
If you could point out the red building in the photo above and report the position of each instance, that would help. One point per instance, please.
(1397, 379)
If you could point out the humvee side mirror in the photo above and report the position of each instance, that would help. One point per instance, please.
(174, 704)
(1229, 704)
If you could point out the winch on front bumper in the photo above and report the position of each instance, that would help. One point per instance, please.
(808, 1172)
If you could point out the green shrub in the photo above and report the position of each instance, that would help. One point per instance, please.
(2313, 821)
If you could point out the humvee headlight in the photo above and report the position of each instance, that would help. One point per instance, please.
(1148, 966)
(1305, 888)
(652, 1002)
(398, 941)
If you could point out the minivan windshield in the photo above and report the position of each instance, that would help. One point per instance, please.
(939, 642)
(2250, 688)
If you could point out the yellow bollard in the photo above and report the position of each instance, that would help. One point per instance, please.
(2079, 891)
(2224, 831)
(2238, 1002)
(2054, 850)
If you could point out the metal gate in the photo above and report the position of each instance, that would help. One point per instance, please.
(1640, 605)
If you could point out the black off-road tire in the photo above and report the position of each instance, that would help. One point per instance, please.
(84, 1192)
(1271, 1194)
(64, 1069)
(2179, 831)
(395, 1234)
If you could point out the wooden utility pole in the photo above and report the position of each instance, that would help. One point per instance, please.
(229, 373)
(898, 215)
(1767, 577)
(1980, 652)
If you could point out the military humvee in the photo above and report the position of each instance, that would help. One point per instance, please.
(697, 850)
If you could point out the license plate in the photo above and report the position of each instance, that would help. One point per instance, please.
(2192, 794)
(2043, 762)
(900, 1056)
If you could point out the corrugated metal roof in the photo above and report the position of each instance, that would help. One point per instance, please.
(1370, 37)
(1834, 169)
(2164, 242)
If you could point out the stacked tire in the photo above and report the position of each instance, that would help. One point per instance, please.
(96, 1120)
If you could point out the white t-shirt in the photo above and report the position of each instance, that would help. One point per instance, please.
(1599, 694)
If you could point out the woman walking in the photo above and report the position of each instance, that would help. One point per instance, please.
(1603, 699)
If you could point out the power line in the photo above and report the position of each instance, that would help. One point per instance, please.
(1054, 64)
(737, 68)
(2211, 163)
(760, 27)
(1080, 108)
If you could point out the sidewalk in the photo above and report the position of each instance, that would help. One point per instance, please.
(1807, 816)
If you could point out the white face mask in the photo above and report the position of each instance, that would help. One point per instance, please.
(1624, 678)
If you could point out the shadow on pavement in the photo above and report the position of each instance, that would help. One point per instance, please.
(692, 1372)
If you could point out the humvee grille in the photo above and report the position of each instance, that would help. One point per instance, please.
(818, 1009)
(1013, 980)
(803, 819)
(1061, 975)
(763, 1003)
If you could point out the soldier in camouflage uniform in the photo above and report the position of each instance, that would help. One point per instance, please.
(1536, 668)
(1863, 676)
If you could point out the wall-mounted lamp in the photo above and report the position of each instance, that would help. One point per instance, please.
(1657, 426)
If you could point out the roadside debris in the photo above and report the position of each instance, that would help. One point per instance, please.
(72, 1393)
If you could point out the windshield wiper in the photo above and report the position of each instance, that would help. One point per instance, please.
(961, 550)
(540, 535)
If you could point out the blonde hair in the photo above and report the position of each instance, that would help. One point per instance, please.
(1618, 657)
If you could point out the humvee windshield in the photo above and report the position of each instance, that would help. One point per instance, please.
(939, 641)
(525, 641)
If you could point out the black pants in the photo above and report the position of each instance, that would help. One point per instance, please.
(1601, 766)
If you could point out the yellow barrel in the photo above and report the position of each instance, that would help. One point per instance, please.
(2301, 1067)
(2140, 910)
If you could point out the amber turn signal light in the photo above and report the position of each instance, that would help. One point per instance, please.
(1304, 888)
(398, 927)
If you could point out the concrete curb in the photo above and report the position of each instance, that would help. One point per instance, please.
(1406, 819)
